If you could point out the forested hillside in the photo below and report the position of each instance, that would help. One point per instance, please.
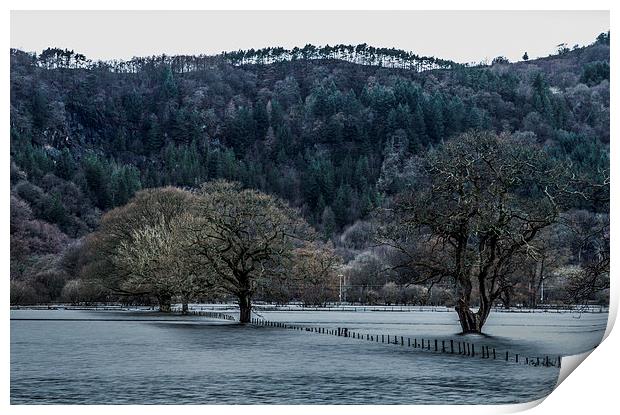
(331, 135)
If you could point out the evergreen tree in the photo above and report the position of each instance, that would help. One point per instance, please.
(66, 165)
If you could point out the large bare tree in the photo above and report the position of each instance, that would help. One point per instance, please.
(476, 205)
(148, 209)
(157, 258)
(245, 237)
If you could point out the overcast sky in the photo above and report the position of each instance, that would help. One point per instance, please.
(463, 36)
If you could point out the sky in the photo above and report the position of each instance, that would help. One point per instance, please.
(462, 36)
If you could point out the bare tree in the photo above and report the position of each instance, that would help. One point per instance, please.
(315, 269)
(592, 245)
(479, 202)
(244, 237)
(157, 259)
(119, 227)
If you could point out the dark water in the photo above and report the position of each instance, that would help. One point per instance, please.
(140, 358)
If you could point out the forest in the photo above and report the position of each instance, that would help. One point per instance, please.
(342, 139)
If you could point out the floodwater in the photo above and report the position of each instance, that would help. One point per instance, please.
(109, 357)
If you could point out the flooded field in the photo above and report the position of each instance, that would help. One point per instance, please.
(109, 357)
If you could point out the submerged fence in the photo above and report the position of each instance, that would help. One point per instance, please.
(451, 346)
(212, 314)
(446, 346)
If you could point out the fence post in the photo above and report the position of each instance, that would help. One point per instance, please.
(408, 342)
(435, 344)
(517, 358)
(451, 346)
(494, 353)
(443, 346)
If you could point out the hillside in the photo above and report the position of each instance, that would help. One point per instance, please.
(327, 135)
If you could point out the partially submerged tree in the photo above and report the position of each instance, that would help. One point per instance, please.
(157, 259)
(245, 237)
(479, 202)
(120, 227)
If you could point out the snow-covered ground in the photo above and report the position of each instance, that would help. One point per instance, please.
(143, 357)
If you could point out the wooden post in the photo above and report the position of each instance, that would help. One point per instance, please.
(506, 356)
(443, 346)
(428, 345)
(382, 338)
(451, 346)
(415, 343)
(408, 342)
(435, 344)
(402, 342)
(538, 361)
(459, 343)
(473, 352)
(494, 353)
(517, 358)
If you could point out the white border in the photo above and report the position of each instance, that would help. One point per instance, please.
(591, 389)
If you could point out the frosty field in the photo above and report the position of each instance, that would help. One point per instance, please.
(109, 357)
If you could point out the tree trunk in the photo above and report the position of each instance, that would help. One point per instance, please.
(164, 300)
(185, 308)
(245, 308)
(471, 322)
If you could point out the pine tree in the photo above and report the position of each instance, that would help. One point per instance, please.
(66, 165)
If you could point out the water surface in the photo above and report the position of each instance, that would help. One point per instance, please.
(101, 357)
